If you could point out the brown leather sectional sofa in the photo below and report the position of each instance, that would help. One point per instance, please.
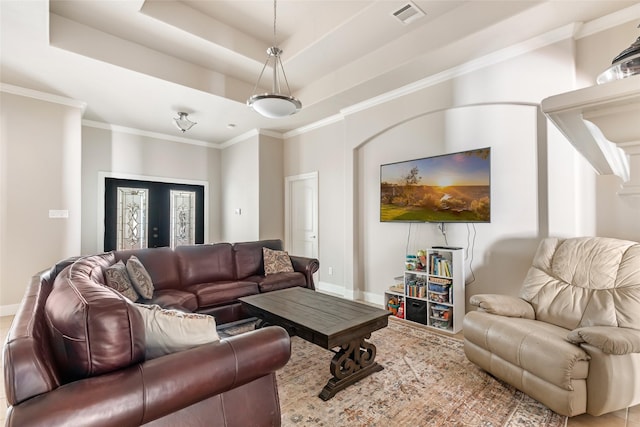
(210, 278)
(74, 355)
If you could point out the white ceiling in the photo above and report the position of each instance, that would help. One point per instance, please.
(137, 62)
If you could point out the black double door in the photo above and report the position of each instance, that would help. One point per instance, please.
(159, 211)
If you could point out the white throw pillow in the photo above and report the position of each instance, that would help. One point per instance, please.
(170, 331)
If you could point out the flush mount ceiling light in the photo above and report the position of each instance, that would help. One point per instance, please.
(183, 123)
(275, 104)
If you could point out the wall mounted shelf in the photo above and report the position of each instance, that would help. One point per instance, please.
(603, 123)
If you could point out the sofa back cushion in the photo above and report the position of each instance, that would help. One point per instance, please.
(160, 263)
(587, 281)
(205, 263)
(94, 329)
(249, 259)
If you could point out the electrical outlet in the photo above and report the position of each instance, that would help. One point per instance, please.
(330, 271)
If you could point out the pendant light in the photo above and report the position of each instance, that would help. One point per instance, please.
(275, 104)
(626, 64)
(183, 123)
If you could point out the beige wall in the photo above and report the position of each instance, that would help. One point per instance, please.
(240, 207)
(252, 205)
(39, 171)
(540, 184)
(271, 188)
(127, 155)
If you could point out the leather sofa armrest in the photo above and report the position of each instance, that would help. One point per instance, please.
(306, 266)
(503, 305)
(155, 388)
(609, 339)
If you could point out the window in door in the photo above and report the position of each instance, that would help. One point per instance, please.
(141, 214)
(131, 221)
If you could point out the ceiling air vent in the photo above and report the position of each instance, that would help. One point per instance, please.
(408, 13)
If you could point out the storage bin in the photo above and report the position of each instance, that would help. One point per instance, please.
(441, 324)
(443, 313)
(416, 310)
(438, 288)
(439, 297)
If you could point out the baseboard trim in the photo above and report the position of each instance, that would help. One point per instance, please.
(8, 310)
(330, 288)
(369, 297)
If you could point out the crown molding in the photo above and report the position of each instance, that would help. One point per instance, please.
(548, 38)
(43, 96)
(574, 30)
(612, 20)
(336, 118)
(155, 135)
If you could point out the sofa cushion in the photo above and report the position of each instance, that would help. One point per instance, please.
(94, 329)
(205, 263)
(117, 278)
(168, 298)
(213, 294)
(276, 262)
(160, 263)
(170, 331)
(249, 258)
(537, 347)
(273, 282)
(140, 278)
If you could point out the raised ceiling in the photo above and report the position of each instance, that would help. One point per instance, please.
(137, 62)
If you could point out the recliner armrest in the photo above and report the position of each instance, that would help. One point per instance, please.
(150, 390)
(609, 339)
(306, 266)
(503, 305)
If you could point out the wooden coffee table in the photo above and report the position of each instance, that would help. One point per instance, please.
(329, 322)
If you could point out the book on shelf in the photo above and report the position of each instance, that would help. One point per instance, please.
(439, 265)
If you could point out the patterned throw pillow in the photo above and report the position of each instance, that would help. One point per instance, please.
(276, 262)
(140, 277)
(118, 279)
(170, 331)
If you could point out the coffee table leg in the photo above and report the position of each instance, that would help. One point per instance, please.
(354, 361)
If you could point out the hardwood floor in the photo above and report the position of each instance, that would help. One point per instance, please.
(614, 419)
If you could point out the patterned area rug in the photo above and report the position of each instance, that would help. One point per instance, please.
(426, 381)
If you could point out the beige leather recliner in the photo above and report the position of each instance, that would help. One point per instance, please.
(572, 339)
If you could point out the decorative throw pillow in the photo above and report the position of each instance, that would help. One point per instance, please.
(118, 279)
(140, 277)
(276, 262)
(170, 331)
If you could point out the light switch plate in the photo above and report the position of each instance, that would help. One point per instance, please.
(58, 213)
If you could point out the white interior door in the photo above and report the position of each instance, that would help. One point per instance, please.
(301, 215)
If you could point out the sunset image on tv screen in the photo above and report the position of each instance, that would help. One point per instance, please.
(448, 188)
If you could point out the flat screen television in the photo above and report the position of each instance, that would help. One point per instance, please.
(452, 187)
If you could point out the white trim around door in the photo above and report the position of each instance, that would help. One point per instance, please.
(101, 189)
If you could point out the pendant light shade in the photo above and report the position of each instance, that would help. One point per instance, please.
(183, 123)
(274, 104)
(626, 64)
